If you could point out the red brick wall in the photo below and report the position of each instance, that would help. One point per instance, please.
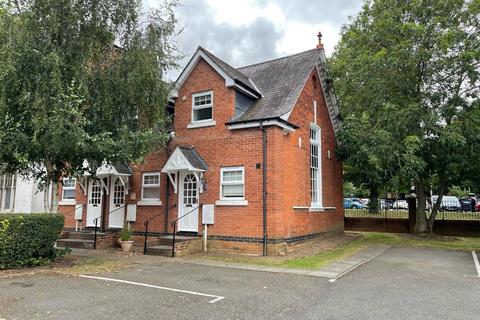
(287, 167)
(296, 168)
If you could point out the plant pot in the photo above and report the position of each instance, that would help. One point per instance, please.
(119, 242)
(127, 246)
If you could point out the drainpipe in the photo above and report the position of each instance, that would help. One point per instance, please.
(167, 195)
(264, 186)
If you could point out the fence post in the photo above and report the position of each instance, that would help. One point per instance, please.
(95, 236)
(173, 239)
(146, 237)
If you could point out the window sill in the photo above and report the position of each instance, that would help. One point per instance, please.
(202, 124)
(67, 203)
(149, 203)
(321, 209)
(313, 209)
(231, 202)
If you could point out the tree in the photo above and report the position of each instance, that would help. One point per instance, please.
(416, 63)
(81, 80)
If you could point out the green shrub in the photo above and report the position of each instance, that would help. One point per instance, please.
(28, 239)
(125, 234)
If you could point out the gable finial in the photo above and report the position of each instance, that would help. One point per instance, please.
(320, 44)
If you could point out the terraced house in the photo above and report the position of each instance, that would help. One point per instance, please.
(251, 155)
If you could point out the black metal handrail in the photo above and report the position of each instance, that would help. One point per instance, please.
(96, 226)
(146, 233)
(174, 224)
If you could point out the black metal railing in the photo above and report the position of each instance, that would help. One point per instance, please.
(145, 224)
(174, 224)
(96, 226)
(391, 209)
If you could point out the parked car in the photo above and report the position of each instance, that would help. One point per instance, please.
(465, 204)
(350, 203)
(400, 205)
(386, 204)
(449, 203)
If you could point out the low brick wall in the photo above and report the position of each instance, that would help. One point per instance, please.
(455, 228)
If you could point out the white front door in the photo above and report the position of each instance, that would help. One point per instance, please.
(188, 199)
(117, 204)
(94, 207)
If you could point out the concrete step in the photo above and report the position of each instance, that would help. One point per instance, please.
(160, 250)
(168, 240)
(75, 243)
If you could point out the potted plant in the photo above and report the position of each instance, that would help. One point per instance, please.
(125, 236)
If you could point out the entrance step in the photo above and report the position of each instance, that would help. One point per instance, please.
(184, 245)
(75, 243)
(85, 239)
(160, 250)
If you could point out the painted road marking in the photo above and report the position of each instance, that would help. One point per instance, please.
(361, 263)
(477, 265)
(215, 298)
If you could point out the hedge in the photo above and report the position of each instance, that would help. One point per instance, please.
(28, 239)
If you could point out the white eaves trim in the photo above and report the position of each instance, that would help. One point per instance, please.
(255, 124)
(193, 62)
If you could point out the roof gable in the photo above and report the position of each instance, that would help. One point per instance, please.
(233, 77)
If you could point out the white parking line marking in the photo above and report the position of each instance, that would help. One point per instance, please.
(477, 265)
(361, 263)
(215, 298)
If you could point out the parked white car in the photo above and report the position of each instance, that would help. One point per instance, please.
(400, 205)
(449, 203)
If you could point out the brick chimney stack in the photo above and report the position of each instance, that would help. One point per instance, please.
(320, 44)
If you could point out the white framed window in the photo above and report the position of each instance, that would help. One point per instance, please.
(8, 184)
(315, 166)
(232, 183)
(202, 107)
(151, 187)
(68, 189)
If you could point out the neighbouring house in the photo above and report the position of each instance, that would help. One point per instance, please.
(252, 151)
(20, 195)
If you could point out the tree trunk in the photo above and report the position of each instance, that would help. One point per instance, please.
(46, 196)
(421, 222)
(373, 206)
(436, 206)
(54, 206)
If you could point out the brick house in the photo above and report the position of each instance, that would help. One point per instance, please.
(254, 145)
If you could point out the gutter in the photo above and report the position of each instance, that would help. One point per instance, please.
(264, 186)
(167, 194)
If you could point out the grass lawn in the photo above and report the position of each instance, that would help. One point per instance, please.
(365, 238)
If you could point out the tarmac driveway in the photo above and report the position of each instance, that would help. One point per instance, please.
(401, 283)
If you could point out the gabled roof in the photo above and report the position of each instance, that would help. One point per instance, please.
(233, 77)
(274, 86)
(281, 82)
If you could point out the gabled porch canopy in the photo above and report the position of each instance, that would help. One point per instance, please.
(121, 170)
(184, 159)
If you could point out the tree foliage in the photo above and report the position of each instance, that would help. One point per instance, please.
(408, 79)
(81, 80)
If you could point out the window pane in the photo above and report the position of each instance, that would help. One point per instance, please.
(151, 193)
(202, 114)
(232, 176)
(69, 194)
(232, 191)
(68, 183)
(202, 100)
(8, 196)
(151, 179)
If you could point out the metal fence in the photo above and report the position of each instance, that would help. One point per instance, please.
(447, 211)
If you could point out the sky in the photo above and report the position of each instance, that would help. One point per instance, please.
(243, 32)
